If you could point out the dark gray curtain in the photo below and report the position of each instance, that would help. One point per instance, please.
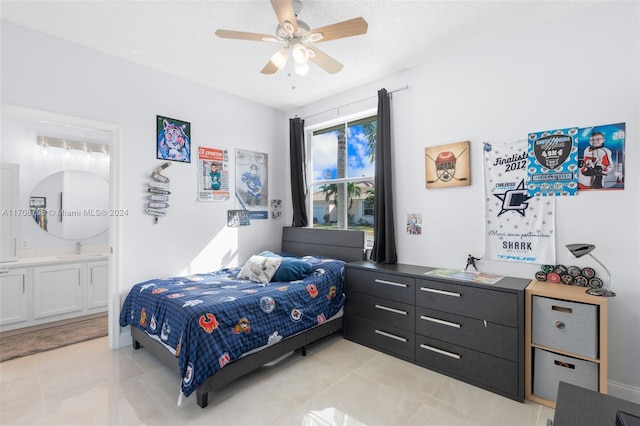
(384, 245)
(298, 171)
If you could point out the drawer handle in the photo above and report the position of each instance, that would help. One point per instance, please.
(390, 283)
(440, 351)
(4, 271)
(395, 311)
(392, 336)
(561, 309)
(564, 364)
(446, 293)
(439, 321)
(560, 325)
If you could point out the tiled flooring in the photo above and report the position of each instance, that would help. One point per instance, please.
(337, 383)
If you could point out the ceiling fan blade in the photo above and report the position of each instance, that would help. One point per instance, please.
(352, 27)
(240, 35)
(284, 12)
(324, 61)
(270, 68)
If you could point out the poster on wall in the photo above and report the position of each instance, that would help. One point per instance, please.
(238, 218)
(601, 157)
(276, 209)
(173, 139)
(519, 227)
(414, 223)
(252, 192)
(213, 174)
(553, 162)
(447, 165)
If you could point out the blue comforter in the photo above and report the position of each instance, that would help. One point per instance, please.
(209, 320)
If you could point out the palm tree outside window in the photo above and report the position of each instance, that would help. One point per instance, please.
(343, 169)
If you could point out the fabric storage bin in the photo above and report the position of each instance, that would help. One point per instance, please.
(567, 326)
(550, 368)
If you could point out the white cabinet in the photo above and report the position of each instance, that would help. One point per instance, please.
(57, 290)
(9, 211)
(43, 292)
(97, 285)
(13, 296)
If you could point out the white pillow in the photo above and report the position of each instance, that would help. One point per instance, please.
(260, 269)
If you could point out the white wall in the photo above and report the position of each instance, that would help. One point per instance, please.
(579, 71)
(47, 74)
(582, 70)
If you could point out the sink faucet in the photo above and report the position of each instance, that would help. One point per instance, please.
(78, 246)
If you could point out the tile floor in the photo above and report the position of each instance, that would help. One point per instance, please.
(337, 383)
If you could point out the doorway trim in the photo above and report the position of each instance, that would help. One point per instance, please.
(114, 199)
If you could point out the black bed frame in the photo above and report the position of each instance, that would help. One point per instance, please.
(347, 245)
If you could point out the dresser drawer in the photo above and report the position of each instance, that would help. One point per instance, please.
(395, 314)
(485, 370)
(491, 305)
(380, 336)
(487, 337)
(551, 368)
(388, 286)
(563, 325)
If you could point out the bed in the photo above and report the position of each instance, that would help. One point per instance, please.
(216, 327)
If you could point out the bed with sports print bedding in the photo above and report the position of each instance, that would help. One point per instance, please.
(210, 320)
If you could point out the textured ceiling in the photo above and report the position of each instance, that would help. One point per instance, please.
(177, 37)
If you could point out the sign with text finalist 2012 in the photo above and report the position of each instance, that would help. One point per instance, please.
(519, 227)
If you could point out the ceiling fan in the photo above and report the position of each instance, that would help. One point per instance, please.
(297, 38)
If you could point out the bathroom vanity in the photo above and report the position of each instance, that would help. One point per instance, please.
(39, 290)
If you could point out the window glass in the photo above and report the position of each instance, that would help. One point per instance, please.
(343, 169)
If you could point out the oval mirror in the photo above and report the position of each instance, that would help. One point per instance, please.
(71, 204)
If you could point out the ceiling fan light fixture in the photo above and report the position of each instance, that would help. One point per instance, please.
(279, 59)
(288, 27)
(300, 53)
(301, 69)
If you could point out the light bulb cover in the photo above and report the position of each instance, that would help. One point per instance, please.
(279, 59)
(300, 53)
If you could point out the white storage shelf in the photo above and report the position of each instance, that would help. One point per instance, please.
(566, 340)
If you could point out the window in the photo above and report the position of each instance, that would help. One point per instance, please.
(343, 168)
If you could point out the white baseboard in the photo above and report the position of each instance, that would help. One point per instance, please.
(622, 391)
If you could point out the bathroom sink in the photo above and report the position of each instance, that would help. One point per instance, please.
(76, 256)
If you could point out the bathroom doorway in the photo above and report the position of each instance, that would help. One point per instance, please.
(82, 147)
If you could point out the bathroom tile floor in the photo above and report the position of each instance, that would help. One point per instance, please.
(338, 383)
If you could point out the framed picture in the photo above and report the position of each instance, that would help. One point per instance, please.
(238, 218)
(38, 202)
(252, 187)
(601, 164)
(173, 139)
(447, 165)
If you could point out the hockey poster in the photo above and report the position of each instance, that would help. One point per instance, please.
(519, 227)
(447, 165)
(601, 157)
(213, 174)
(553, 162)
(251, 183)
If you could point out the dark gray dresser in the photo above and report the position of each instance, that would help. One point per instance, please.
(470, 331)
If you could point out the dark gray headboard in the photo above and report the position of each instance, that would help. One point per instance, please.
(347, 245)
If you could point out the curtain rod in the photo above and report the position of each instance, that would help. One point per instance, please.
(354, 102)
